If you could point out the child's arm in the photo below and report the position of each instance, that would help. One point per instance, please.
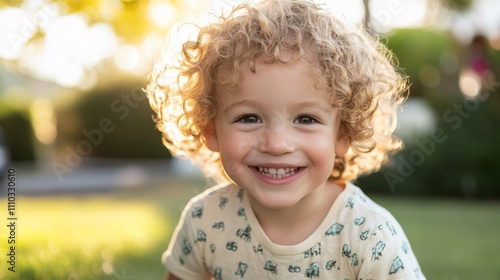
(184, 256)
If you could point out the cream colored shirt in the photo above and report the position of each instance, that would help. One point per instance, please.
(219, 237)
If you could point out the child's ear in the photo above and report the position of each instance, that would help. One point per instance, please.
(211, 138)
(343, 142)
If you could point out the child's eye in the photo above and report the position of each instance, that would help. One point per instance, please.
(306, 120)
(248, 119)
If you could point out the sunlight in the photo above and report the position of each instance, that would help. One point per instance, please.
(389, 14)
(19, 25)
(73, 44)
(161, 13)
(386, 14)
(98, 42)
(98, 219)
(12, 34)
(70, 47)
(110, 8)
(85, 237)
(351, 12)
(469, 83)
(44, 121)
(127, 57)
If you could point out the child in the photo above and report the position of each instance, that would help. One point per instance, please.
(284, 105)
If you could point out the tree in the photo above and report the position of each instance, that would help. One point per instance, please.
(85, 37)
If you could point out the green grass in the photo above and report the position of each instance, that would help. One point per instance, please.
(89, 238)
(451, 239)
(122, 235)
(118, 236)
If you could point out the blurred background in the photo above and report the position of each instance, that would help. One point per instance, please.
(98, 195)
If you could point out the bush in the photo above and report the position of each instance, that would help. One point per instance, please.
(18, 134)
(462, 160)
(112, 122)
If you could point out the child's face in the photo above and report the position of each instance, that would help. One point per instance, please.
(277, 135)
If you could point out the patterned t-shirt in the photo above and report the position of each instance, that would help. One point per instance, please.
(219, 237)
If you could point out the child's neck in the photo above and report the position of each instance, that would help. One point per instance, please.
(293, 225)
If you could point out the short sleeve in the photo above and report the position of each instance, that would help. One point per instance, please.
(389, 255)
(184, 256)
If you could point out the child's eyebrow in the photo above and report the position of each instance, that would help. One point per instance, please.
(326, 107)
(316, 105)
(242, 103)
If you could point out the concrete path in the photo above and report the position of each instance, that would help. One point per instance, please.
(98, 175)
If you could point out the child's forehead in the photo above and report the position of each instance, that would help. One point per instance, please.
(238, 65)
(229, 76)
(294, 76)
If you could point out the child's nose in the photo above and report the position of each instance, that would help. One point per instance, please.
(276, 141)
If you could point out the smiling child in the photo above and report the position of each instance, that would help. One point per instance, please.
(284, 105)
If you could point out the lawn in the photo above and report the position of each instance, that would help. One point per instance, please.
(452, 239)
(121, 235)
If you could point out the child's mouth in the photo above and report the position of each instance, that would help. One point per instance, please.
(277, 173)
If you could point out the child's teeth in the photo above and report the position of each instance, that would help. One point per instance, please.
(277, 173)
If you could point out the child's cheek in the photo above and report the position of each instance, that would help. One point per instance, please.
(320, 149)
(238, 151)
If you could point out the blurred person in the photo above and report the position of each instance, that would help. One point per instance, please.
(478, 62)
(284, 105)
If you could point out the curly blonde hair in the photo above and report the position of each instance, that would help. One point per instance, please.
(353, 66)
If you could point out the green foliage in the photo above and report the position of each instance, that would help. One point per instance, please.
(419, 48)
(116, 122)
(465, 163)
(458, 5)
(18, 134)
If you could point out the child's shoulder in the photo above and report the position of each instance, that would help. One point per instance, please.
(372, 234)
(367, 220)
(358, 204)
